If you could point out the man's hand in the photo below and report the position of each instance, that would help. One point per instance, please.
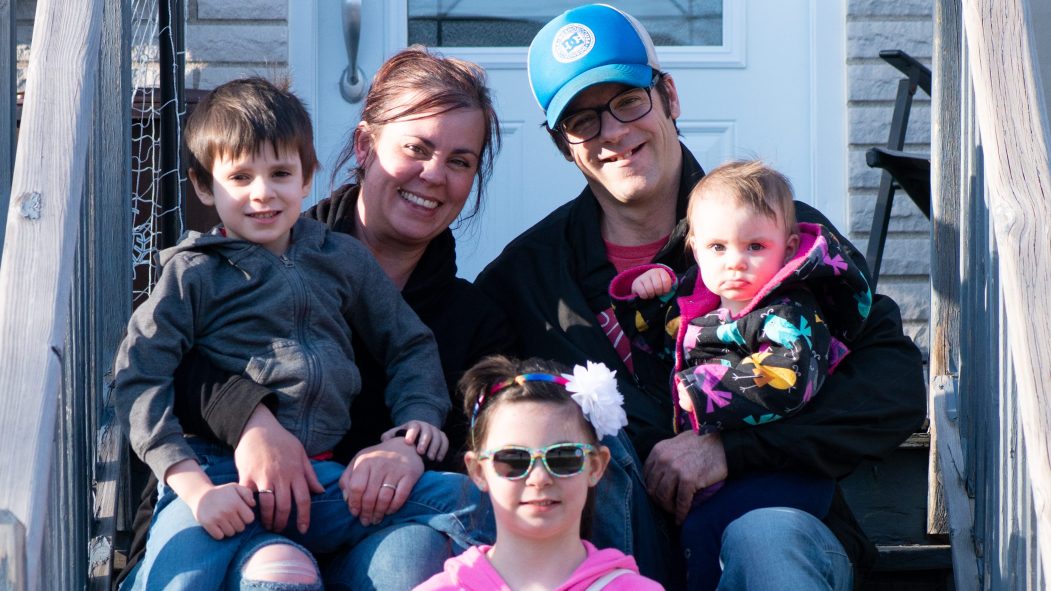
(679, 467)
(652, 283)
(379, 479)
(429, 440)
(269, 458)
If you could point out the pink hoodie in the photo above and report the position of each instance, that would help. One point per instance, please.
(472, 571)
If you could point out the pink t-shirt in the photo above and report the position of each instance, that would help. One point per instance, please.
(626, 257)
(472, 571)
(623, 258)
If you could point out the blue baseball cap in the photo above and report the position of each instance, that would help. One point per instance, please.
(588, 45)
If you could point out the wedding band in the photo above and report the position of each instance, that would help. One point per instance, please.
(390, 486)
(266, 491)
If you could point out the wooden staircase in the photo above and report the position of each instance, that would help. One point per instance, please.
(889, 499)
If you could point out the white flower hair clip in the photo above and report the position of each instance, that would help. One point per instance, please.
(594, 388)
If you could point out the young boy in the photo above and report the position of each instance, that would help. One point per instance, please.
(753, 333)
(274, 297)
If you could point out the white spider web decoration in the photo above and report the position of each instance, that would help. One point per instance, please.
(148, 211)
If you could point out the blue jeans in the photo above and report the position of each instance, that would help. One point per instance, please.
(181, 555)
(626, 519)
(702, 531)
(395, 559)
(807, 557)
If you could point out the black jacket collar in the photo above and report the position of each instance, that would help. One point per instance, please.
(591, 267)
(434, 273)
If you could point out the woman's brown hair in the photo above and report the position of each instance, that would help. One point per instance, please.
(440, 84)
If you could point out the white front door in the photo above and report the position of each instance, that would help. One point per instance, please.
(756, 78)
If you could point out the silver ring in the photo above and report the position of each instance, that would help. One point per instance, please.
(266, 491)
(390, 486)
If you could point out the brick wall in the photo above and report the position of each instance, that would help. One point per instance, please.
(873, 25)
(227, 40)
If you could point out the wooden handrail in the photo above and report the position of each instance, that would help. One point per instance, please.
(1014, 131)
(42, 222)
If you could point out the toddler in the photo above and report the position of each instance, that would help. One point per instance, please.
(752, 329)
(752, 340)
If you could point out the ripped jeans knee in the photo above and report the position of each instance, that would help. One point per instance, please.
(275, 564)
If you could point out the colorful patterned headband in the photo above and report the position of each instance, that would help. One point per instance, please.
(528, 377)
(594, 388)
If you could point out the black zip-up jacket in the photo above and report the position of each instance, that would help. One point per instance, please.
(553, 280)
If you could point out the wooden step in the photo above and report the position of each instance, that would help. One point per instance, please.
(914, 557)
(889, 498)
(911, 568)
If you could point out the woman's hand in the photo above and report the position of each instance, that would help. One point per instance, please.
(429, 440)
(379, 479)
(272, 461)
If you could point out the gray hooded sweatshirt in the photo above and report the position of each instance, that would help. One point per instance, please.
(286, 323)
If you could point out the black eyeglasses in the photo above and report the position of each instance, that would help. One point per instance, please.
(583, 125)
(561, 459)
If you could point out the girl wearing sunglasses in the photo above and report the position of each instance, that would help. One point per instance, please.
(534, 447)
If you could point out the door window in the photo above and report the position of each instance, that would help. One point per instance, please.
(485, 23)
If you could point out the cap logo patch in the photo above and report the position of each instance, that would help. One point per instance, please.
(572, 42)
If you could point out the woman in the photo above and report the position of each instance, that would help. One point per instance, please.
(428, 132)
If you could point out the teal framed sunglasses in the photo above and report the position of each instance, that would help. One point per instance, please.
(562, 460)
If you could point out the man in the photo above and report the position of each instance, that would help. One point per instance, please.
(586, 68)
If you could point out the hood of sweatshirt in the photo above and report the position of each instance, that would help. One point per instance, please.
(473, 571)
(597, 564)
(821, 264)
(306, 231)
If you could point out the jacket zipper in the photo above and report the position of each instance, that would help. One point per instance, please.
(311, 387)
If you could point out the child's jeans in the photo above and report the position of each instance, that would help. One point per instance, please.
(715, 507)
(180, 554)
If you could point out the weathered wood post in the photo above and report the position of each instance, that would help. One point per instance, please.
(1015, 135)
(946, 155)
(102, 288)
(42, 225)
(949, 510)
(8, 32)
